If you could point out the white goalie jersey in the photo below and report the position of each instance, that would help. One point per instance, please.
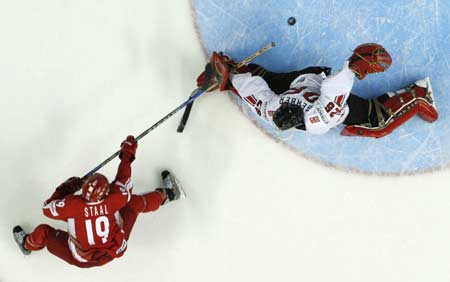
(323, 99)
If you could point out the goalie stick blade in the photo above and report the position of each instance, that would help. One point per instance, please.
(184, 118)
(210, 83)
(187, 112)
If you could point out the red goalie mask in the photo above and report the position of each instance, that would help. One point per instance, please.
(95, 188)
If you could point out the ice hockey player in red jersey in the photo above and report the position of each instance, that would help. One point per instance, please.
(315, 101)
(99, 220)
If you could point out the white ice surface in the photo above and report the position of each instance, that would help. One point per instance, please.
(78, 76)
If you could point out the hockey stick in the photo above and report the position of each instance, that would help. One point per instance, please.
(247, 60)
(209, 84)
(185, 116)
(166, 117)
(197, 93)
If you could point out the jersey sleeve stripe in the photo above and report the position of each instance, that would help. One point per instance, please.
(52, 207)
(251, 100)
(127, 186)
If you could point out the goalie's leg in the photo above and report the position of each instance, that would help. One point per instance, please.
(389, 111)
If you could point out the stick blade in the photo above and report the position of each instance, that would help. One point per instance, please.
(184, 118)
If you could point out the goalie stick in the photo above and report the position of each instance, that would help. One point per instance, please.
(247, 60)
(197, 93)
(209, 84)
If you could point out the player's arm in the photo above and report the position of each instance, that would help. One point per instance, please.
(55, 207)
(247, 85)
(280, 82)
(119, 195)
(127, 156)
(337, 87)
(366, 58)
(256, 93)
(241, 83)
(68, 187)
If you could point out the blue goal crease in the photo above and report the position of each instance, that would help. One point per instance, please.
(415, 33)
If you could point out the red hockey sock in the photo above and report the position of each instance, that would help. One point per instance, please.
(37, 240)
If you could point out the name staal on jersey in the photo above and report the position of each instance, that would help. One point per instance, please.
(95, 227)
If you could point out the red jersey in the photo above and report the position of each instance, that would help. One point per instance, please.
(94, 228)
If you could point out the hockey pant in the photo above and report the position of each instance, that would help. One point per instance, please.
(56, 241)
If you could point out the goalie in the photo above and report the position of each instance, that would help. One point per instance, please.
(314, 101)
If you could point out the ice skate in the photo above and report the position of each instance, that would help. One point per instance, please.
(19, 236)
(172, 184)
(427, 107)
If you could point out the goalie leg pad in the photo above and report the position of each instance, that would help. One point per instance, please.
(399, 107)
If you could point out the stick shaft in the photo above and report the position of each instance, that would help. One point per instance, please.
(158, 123)
(256, 54)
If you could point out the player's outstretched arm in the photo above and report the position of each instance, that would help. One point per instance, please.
(127, 155)
(68, 187)
(56, 207)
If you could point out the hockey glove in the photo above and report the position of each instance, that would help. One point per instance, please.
(128, 148)
(221, 70)
(369, 58)
(206, 79)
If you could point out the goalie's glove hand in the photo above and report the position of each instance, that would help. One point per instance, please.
(128, 148)
(369, 58)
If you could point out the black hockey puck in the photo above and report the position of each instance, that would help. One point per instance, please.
(291, 21)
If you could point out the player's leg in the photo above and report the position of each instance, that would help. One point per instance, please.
(361, 111)
(44, 236)
(137, 204)
(150, 202)
(37, 240)
(57, 244)
(390, 110)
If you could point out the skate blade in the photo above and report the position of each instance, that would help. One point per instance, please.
(180, 188)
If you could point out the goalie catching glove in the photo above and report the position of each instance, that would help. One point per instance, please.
(369, 58)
